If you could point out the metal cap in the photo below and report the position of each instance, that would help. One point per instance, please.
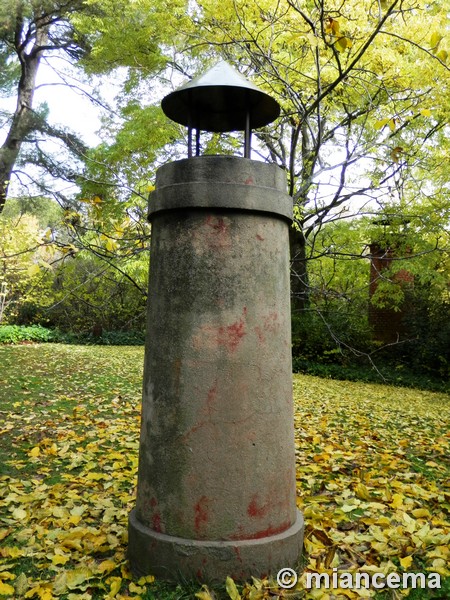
(220, 100)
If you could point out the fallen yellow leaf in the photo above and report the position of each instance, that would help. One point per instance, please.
(58, 559)
(362, 492)
(397, 500)
(115, 584)
(19, 513)
(6, 589)
(406, 562)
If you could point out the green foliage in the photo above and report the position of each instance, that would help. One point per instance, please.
(15, 334)
(88, 292)
(373, 370)
(47, 212)
(9, 71)
(145, 26)
(106, 338)
(329, 337)
(122, 338)
(333, 337)
(24, 258)
(121, 168)
(57, 268)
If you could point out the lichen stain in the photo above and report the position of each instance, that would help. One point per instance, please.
(177, 375)
(201, 513)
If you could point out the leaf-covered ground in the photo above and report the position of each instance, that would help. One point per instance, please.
(372, 466)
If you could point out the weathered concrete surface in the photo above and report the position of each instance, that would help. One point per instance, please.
(170, 557)
(216, 483)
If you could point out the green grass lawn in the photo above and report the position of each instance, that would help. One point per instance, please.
(372, 466)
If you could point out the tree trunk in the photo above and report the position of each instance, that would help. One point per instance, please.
(299, 272)
(22, 121)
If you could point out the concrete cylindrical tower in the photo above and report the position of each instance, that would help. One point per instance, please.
(216, 484)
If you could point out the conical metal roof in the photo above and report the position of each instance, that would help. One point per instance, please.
(220, 100)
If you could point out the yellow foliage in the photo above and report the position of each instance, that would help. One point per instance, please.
(406, 562)
(442, 55)
(114, 586)
(34, 452)
(33, 270)
(58, 559)
(19, 514)
(6, 589)
(232, 589)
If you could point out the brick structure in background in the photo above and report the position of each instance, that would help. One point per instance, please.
(387, 324)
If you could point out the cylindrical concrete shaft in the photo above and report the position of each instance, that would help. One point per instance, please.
(216, 483)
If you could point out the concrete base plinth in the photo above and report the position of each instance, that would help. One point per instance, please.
(175, 558)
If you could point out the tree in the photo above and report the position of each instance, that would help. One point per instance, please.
(361, 85)
(28, 31)
(24, 256)
(409, 295)
(363, 126)
(57, 269)
(84, 34)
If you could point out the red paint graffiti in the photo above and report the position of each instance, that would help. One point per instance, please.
(156, 522)
(217, 234)
(201, 513)
(255, 510)
(271, 322)
(260, 334)
(217, 223)
(231, 335)
(212, 394)
(269, 531)
(271, 325)
(227, 336)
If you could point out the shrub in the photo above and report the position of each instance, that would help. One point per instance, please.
(107, 338)
(15, 334)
